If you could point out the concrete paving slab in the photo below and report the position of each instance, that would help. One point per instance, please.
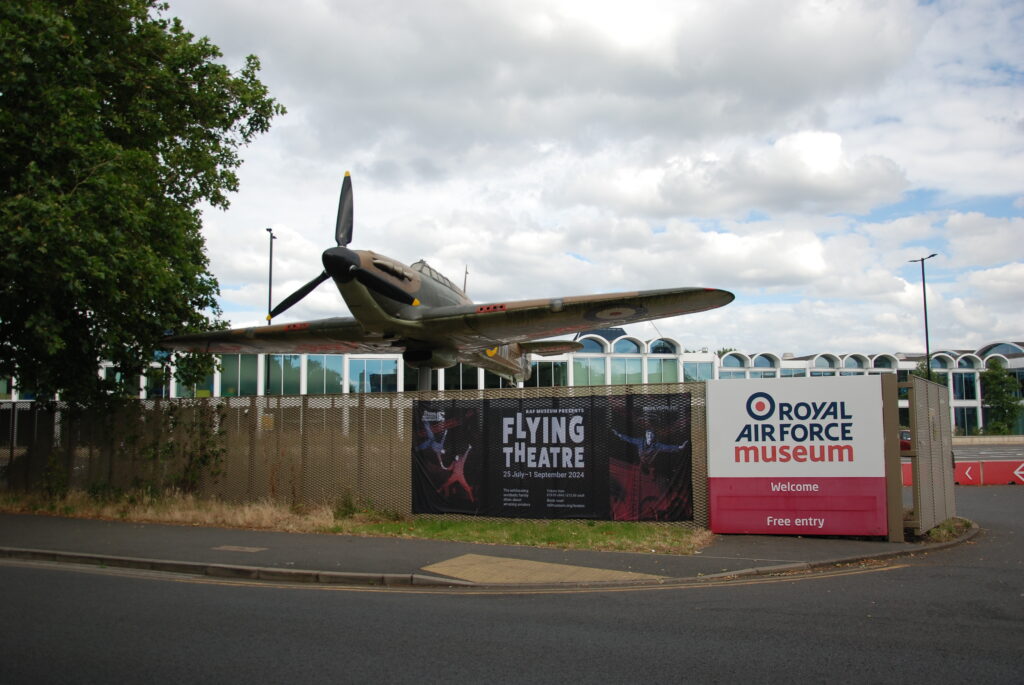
(491, 570)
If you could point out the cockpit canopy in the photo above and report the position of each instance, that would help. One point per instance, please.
(424, 268)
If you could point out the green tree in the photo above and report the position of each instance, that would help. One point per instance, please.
(115, 124)
(998, 388)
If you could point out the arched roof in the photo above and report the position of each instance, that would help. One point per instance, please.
(652, 344)
(735, 360)
(1003, 347)
(593, 344)
(831, 359)
(634, 345)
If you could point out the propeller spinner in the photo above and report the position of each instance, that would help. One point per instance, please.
(343, 264)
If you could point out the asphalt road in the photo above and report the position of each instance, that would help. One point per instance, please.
(947, 616)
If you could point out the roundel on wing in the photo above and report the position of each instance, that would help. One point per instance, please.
(614, 312)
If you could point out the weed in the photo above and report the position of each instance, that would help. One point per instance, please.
(950, 529)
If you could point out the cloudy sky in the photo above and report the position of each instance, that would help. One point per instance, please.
(795, 153)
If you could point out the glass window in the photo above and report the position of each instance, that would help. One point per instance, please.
(549, 374)
(460, 377)
(733, 361)
(694, 372)
(823, 373)
(965, 386)
(248, 374)
(854, 363)
(626, 346)
(967, 363)
(325, 374)
(762, 374)
(372, 375)
(315, 374)
(794, 373)
(238, 374)
(283, 374)
(588, 371)
(627, 371)
(229, 375)
(202, 389)
(493, 380)
(592, 345)
(824, 363)
(966, 420)
(731, 375)
(663, 347)
(1001, 348)
(939, 363)
(763, 362)
(883, 363)
(157, 383)
(662, 371)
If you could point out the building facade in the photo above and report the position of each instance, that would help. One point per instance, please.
(608, 357)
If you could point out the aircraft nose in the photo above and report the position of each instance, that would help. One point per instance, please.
(339, 262)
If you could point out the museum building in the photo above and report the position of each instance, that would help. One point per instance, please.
(608, 357)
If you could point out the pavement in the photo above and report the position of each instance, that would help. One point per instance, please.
(345, 559)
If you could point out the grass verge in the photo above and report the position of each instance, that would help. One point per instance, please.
(348, 518)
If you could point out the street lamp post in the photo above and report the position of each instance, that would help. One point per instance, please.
(270, 275)
(924, 297)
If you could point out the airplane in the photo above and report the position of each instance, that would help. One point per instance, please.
(415, 310)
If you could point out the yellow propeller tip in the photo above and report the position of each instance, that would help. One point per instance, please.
(347, 173)
(268, 317)
(415, 302)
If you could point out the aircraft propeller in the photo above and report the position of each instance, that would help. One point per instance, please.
(342, 264)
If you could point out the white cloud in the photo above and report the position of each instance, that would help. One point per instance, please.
(978, 240)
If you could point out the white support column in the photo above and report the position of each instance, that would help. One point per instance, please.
(261, 374)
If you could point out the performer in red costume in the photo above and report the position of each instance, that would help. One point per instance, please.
(457, 477)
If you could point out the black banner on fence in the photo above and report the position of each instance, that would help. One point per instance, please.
(621, 457)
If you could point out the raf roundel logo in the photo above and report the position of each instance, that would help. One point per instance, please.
(760, 406)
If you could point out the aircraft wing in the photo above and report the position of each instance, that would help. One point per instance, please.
(338, 335)
(461, 327)
(485, 325)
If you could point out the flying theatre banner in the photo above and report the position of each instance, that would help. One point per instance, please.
(623, 457)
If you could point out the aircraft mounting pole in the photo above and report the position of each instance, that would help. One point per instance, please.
(924, 297)
(423, 379)
(270, 275)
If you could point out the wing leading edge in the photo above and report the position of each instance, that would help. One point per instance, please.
(465, 328)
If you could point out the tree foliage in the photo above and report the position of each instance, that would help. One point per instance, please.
(115, 124)
(998, 388)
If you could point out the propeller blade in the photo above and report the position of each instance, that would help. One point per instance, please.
(382, 287)
(343, 226)
(299, 294)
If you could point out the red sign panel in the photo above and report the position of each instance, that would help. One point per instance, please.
(967, 473)
(1002, 473)
(799, 506)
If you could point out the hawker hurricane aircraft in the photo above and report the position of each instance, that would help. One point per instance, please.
(417, 311)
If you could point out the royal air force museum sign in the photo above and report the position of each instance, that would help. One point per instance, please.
(797, 456)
